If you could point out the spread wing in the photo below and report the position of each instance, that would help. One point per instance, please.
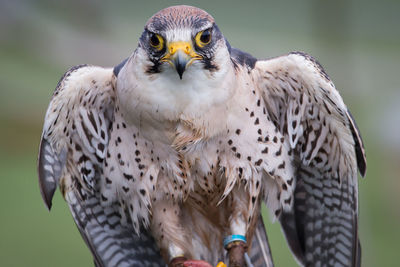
(304, 105)
(73, 146)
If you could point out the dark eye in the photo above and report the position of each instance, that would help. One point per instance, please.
(203, 38)
(206, 36)
(156, 41)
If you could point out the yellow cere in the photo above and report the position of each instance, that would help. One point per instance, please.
(185, 47)
(175, 46)
(221, 264)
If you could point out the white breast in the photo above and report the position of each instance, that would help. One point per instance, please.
(155, 101)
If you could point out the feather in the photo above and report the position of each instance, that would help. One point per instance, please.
(327, 147)
(50, 166)
(111, 243)
(77, 121)
(260, 253)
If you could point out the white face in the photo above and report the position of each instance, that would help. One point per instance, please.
(163, 95)
(181, 34)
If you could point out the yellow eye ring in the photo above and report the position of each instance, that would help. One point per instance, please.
(156, 41)
(203, 38)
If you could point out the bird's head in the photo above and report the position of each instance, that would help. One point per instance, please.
(181, 38)
(182, 68)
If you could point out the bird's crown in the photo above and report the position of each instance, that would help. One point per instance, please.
(179, 16)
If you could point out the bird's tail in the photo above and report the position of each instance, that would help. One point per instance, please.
(260, 253)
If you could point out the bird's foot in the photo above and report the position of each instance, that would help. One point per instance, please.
(236, 251)
(177, 262)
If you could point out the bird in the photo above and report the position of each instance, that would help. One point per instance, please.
(167, 158)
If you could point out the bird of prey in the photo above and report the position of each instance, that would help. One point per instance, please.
(166, 158)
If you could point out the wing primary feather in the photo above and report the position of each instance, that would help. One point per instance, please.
(359, 147)
(260, 253)
(50, 165)
(111, 243)
(322, 226)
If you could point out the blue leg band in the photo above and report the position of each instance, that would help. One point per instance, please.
(232, 238)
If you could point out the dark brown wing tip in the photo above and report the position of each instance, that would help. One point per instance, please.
(46, 190)
(359, 145)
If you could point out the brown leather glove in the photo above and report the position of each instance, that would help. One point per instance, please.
(196, 263)
(183, 262)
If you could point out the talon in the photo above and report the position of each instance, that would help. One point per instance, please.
(177, 262)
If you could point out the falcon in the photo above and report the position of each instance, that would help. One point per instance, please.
(167, 157)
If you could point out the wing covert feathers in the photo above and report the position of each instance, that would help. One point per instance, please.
(73, 146)
(77, 119)
(327, 147)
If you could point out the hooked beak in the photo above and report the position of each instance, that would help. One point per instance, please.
(180, 55)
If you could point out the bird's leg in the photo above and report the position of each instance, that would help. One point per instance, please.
(235, 244)
(236, 251)
(170, 235)
(168, 232)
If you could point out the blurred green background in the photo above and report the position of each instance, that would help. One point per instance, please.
(358, 43)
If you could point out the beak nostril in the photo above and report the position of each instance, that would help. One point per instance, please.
(180, 55)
